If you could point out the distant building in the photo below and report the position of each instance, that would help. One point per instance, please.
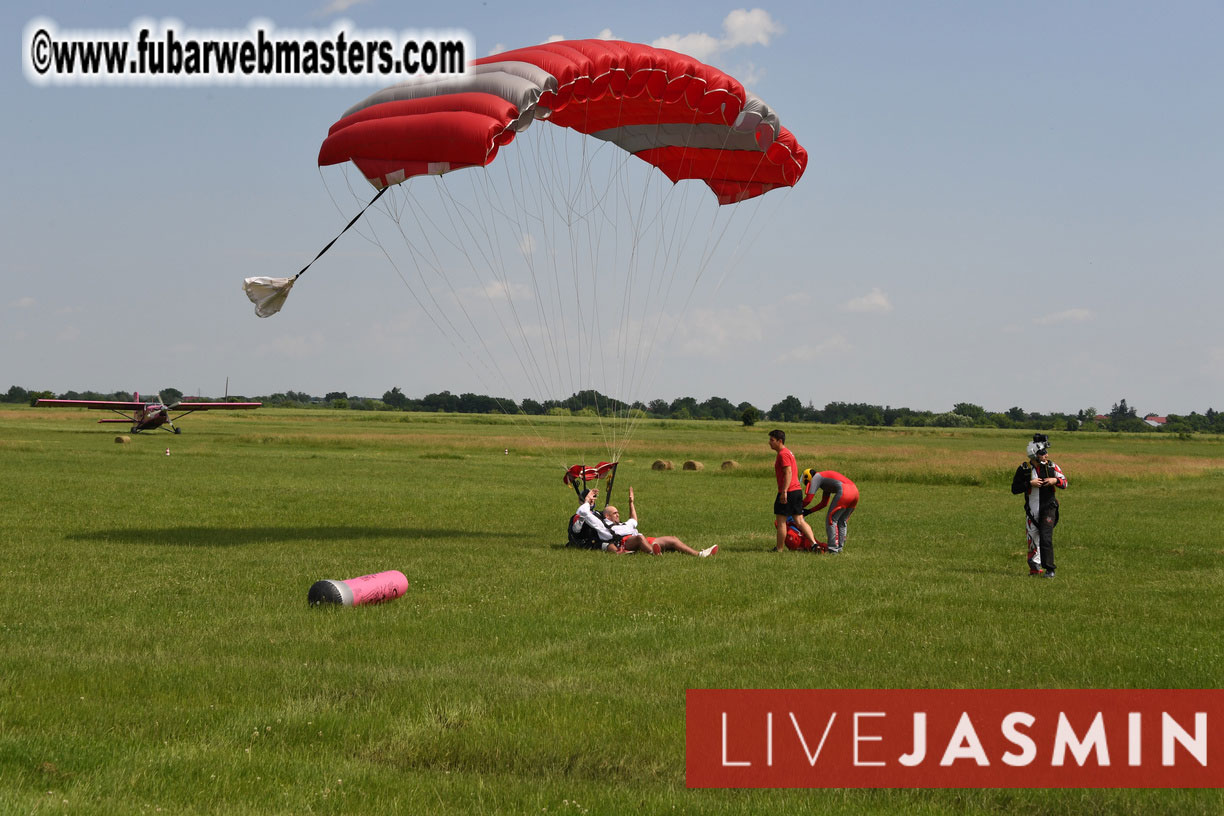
(1100, 418)
(1155, 421)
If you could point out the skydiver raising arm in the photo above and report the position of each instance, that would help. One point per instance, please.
(633, 541)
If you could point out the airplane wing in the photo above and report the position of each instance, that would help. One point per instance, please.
(107, 405)
(213, 406)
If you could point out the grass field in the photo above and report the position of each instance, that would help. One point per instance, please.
(158, 654)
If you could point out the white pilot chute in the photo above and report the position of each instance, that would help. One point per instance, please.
(268, 294)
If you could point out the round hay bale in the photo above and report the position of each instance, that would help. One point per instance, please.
(662, 464)
(123, 440)
(730, 464)
(693, 465)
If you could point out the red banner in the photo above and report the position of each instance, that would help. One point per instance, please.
(946, 738)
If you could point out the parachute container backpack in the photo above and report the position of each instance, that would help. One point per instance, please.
(557, 211)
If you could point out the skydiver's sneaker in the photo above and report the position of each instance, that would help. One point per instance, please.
(1049, 573)
(708, 551)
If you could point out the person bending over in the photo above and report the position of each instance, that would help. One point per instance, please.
(840, 496)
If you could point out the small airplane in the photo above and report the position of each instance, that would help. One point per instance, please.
(148, 416)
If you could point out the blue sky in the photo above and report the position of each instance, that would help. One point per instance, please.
(1006, 204)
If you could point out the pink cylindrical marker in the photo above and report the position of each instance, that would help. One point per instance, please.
(366, 589)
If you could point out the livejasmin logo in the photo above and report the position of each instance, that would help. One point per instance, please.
(946, 738)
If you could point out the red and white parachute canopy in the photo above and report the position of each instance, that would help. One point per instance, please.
(688, 119)
(566, 263)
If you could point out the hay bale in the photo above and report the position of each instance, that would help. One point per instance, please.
(662, 464)
(730, 464)
(123, 440)
(693, 465)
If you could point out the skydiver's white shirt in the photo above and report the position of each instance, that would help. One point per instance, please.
(625, 528)
(587, 516)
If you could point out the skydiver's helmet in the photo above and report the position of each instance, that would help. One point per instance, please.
(1039, 445)
(808, 475)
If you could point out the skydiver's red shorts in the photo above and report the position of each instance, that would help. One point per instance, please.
(650, 542)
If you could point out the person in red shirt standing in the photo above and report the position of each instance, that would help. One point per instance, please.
(789, 500)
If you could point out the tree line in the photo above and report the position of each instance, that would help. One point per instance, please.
(1121, 417)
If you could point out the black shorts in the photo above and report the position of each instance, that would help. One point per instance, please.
(793, 505)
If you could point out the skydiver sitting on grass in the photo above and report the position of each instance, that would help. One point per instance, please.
(619, 537)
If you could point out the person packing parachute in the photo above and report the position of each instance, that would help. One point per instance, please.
(841, 497)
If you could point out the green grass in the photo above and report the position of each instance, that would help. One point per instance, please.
(158, 652)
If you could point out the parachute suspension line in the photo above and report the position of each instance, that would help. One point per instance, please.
(668, 216)
(615, 209)
(561, 212)
(395, 214)
(712, 244)
(586, 287)
(594, 220)
(535, 373)
(491, 252)
(458, 338)
(455, 213)
(529, 209)
(579, 209)
(533, 182)
(549, 213)
(515, 216)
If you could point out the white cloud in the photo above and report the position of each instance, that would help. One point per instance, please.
(555, 38)
(701, 46)
(742, 27)
(1068, 316)
(24, 303)
(753, 27)
(68, 334)
(527, 245)
(606, 34)
(874, 302)
(337, 6)
(496, 49)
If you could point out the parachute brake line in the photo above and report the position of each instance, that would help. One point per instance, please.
(346, 229)
(611, 479)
